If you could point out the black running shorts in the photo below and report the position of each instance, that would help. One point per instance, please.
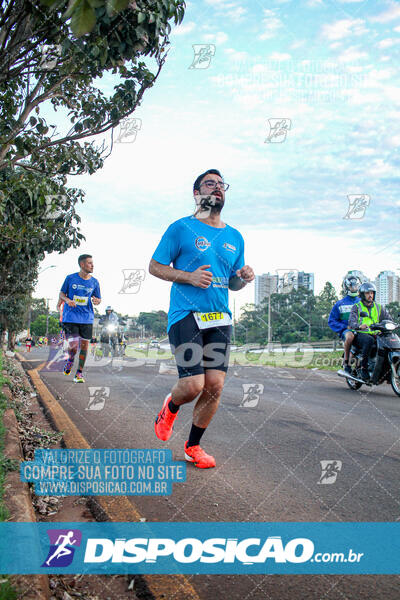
(83, 330)
(197, 350)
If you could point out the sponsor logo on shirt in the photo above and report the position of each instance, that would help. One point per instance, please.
(220, 282)
(202, 243)
(345, 308)
(229, 247)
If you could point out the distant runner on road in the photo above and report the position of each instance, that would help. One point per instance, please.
(207, 257)
(79, 292)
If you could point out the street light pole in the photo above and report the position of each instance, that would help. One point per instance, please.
(47, 317)
(269, 317)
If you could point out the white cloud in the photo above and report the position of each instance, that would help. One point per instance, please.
(216, 38)
(388, 15)
(280, 56)
(350, 54)
(297, 44)
(271, 25)
(388, 43)
(236, 55)
(231, 10)
(343, 28)
(184, 29)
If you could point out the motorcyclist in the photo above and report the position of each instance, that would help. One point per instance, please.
(376, 313)
(340, 313)
(109, 317)
(109, 321)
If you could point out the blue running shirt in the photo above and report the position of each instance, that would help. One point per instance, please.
(190, 243)
(80, 290)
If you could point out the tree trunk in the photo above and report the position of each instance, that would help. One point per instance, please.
(11, 340)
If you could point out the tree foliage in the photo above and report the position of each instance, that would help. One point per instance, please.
(286, 324)
(38, 327)
(53, 56)
(155, 322)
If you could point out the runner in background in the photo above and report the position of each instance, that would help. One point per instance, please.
(28, 343)
(79, 292)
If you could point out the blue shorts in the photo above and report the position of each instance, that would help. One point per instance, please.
(343, 334)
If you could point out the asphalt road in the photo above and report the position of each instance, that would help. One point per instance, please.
(268, 450)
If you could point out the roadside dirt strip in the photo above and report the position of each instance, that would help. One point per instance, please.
(118, 508)
(19, 502)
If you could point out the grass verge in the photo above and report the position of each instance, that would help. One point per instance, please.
(7, 591)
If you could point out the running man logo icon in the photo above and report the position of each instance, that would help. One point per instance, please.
(55, 204)
(132, 280)
(358, 204)
(203, 54)
(97, 397)
(251, 394)
(63, 543)
(127, 130)
(50, 56)
(278, 129)
(330, 470)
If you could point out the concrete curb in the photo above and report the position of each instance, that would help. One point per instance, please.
(18, 500)
(111, 508)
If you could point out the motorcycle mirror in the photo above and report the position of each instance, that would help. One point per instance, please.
(363, 314)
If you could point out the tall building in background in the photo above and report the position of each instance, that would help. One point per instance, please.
(306, 280)
(289, 280)
(283, 282)
(265, 284)
(387, 287)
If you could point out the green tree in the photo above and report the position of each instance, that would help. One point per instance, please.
(155, 322)
(38, 326)
(44, 65)
(324, 303)
(394, 310)
(53, 55)
(38, 307)
(13, 313)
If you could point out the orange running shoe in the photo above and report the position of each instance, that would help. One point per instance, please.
(164, 423)
(201, 459)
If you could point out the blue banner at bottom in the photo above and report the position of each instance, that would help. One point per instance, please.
(209, 548)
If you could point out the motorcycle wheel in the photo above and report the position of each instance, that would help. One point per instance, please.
(353, 385)
(395, 381)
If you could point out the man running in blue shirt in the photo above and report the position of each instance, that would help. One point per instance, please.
(207, 258)
(79, 292)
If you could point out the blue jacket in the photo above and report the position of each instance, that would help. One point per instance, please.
(340, 313)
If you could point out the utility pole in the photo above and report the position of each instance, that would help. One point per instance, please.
(234, 321)
(47, 317)
(269, 317)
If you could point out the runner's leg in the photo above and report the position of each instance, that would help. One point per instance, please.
(82, 354)
(207, 405)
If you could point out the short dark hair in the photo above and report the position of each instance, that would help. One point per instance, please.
(196, 185)
(83, 257)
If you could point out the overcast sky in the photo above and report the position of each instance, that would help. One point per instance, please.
(328, 71)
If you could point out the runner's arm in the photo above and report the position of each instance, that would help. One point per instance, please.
(65, 298)
(168, 273)
(241, 278)
(236, 283)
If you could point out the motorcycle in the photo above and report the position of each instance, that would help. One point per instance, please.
(384, 360)
(110, 340)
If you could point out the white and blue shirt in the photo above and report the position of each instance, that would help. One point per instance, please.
(80, 290)
(190, 243)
